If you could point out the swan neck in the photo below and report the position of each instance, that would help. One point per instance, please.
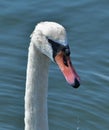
(36, 115)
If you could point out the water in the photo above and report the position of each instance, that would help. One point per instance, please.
(86, 108)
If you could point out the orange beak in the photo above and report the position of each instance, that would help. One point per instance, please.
(67, 69)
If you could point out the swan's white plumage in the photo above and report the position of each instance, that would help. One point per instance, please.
(36, 117)
(50, 30)
(53, 31)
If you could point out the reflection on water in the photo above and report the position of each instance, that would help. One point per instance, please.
(86, 108)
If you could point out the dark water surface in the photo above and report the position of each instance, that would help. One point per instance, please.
(87, 24)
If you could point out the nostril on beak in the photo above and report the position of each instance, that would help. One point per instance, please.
(76, 83)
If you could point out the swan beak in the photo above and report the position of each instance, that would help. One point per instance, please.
(67, 69)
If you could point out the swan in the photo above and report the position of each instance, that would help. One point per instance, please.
(48, 42)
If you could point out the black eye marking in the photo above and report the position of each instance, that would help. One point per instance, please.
(55, 46)
(58, 47)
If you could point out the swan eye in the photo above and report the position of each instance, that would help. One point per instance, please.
(66, 51)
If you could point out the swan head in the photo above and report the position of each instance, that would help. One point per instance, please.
(50, 38)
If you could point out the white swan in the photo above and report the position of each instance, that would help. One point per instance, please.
(48, 41)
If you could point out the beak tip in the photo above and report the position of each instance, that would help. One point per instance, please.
(76, 84)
